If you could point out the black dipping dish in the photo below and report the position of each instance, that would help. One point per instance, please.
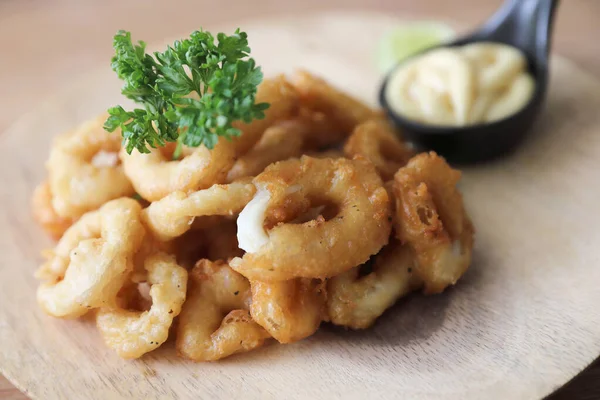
(524, 24)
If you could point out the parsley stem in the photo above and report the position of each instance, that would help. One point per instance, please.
(177, 152)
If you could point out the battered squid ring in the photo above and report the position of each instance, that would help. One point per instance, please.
(134, 333)
(279, 142)
(215, 322)
(317, 248)
(289, 310)
(92, 260)
(377, 141)
(154, 175)
(356, 301)
(432, 220)
(45, 214)
(318, 95)
(323, 131)
(284, 103)
(173, 215)
(77, 184)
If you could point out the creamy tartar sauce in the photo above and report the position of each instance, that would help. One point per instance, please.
(457, 86)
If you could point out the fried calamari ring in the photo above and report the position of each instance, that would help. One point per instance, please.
(45, 214)
(215, 322)
(83, 170)
(289, 310)
(359, 225)
(155, 175)
(356, 301)
(287, 139)
(323, 131)
(318, 95)
(173, 215)
(377, 141)
(92, 260)
(309, 131)
(432, 220)
(133, 333)
(284, 102)
(279, 142)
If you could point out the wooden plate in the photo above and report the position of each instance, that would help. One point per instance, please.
(524, 320)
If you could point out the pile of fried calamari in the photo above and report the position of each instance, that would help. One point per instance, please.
(319, 212)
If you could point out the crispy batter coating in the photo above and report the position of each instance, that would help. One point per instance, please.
(45, 214)
(215, 322)
(284, 102)
(80, 179)
(289, 310)
(134, 333)
(155, 175)
(379, 143)
(432, 220)
(173, 215)
(318, 95)
(323, 130)
(92, 260)
(279, 142)
(356, 301)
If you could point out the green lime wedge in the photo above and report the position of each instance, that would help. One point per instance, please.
(409, 38)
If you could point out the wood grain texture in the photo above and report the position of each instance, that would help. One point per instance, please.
(29, 173)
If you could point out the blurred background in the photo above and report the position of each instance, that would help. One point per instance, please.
(45, 44)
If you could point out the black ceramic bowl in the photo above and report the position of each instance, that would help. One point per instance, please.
(482, 142)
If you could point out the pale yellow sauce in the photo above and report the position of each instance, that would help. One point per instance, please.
(458, 86)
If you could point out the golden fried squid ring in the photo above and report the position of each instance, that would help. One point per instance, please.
(215, 322)
(134, 333)
(155, 175)
(45, 214)
(83, 174)
(356, 301)
(173, 215)
(284, 102)
(322, 132)
(432, 220)
(92, 260)
(318, 248)
(346, 111)
(286, 139)
(289, 310)
(279, 142)
(377, 141)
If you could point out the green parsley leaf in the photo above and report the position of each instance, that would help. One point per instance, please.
(191, 93)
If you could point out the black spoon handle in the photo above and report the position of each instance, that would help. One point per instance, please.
(526, 24)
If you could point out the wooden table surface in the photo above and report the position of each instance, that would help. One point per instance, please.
(45, 44)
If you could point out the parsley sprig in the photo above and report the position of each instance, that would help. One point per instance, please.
(191, 93)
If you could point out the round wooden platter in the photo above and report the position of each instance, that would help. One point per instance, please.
(523, 321)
